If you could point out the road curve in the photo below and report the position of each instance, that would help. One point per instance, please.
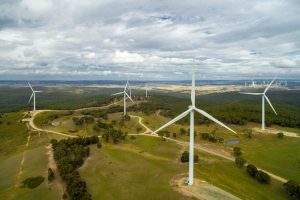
(150, 133)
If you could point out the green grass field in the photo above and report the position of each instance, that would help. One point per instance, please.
(143, 168)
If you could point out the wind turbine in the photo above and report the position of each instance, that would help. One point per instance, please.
(129, 88)
(33, 95)
(264, 96)
(125, 96)
(190, 111)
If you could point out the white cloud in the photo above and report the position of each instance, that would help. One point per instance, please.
(150, 39)
(126, 57)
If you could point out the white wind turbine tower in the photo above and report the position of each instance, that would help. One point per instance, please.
(264, 96)
(125, 96)
(190, 111)
(33, 96)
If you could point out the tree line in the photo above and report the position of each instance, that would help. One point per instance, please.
(69, 155)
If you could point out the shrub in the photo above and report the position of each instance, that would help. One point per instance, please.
(251, 170)
(204, 136)
(262, 177)
(239, 161)
(280, 135)
(237, 151)
(50, 175)
(174, 135)
(185, 157)
(33, 182)
(99, 145)
(293, 189)
(132, 137)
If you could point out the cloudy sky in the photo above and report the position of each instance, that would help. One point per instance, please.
(149, 40)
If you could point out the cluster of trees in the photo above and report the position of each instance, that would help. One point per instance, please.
(237, 112)
(185, 157)
(212, 137)
(293, 189)
(33, 182)
(102, 125)
(103, 113)
(82, 120)
(113, 135)
(69, 154)
(54, 116)
(259, 175)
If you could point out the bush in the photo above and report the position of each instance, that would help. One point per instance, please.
(251, 170)
(33, 182)
(293, 189)
(50, 175)
(280, 135)
(132, 137)
(174, 135)
(204, 136)
(99, 145)
(237, 151)
(185, 157)
(262, 177)
(239, 161)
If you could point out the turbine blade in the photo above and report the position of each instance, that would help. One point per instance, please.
(129, 97)
(270, 85)
(117, 93)
(251, 93)
(182, 115)
(30, 87)
(268, 100)
(30, 98)
(193, 86)
(38, 91)
(202, 112)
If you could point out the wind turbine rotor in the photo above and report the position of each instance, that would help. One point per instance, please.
(205, 114)
(117, 93)
(31, 97)
(182, 115)
(129, 97)
(268, 100)
(269, 85)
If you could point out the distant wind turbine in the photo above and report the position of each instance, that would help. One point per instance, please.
(264, 96)
(190, 111)
(125, 96)
(33, 96)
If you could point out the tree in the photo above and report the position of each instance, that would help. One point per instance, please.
(280, 135)
(204, 136)
(50, 175)
(249, 133)
(293, 189)
(185, 157)
(138, 129)
(237, 151)
(239, 161)
(182, 131)
(251, 170)
(262, 177)
(174, 135)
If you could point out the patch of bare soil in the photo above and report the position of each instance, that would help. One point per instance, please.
(57, 182)
(17, 183)
(200, 190)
